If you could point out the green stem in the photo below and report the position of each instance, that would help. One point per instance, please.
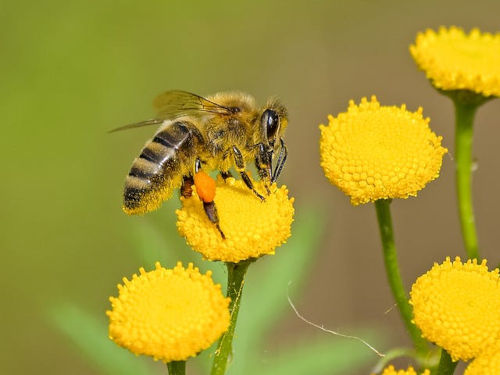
(176, 368)
(446, 365)
(464, 121)
(382, 207)
(235, 280)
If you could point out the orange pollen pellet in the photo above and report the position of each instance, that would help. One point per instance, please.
(205, 186)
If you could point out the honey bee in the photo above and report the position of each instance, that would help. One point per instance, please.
(195, 134)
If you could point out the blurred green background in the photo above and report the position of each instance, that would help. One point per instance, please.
(72, 70)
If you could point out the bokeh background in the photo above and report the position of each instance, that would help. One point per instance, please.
(72, 70)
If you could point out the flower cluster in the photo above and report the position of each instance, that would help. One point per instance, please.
(376, 152)
(169, 314)
(457, 306)
(252, 228)
(487, 363)
(454, 60)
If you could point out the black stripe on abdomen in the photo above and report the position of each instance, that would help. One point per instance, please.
(166, 138)
(151, 156)
(141, 173)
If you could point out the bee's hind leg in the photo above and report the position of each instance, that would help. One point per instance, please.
(205, 188)
(211, 212)
(240, 167)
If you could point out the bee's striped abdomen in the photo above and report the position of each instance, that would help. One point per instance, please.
(158, 169)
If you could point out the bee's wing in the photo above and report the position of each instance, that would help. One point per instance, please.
(154, 121)
(177, 103)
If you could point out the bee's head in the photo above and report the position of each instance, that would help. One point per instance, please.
(273, 122)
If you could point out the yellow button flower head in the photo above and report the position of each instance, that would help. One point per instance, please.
(457, 306)
(390, 370)
(454, 60)
(169, 314)
(487, 363)
(376, 152)
(252, 228)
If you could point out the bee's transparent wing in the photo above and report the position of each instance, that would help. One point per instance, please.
(176, 103)
(153, 121)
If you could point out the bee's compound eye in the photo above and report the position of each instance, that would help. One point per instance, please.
(270, 121)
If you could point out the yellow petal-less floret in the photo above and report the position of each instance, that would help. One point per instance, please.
(390, 370)
(376, 152)
(169, 314)
(457, 306)
(252, 228)
(487, 363)
(454, 60)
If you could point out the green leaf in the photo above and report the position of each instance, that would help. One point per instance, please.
(89, 336)
(324, 356)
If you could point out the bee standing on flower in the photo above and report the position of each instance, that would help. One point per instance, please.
(196, 133)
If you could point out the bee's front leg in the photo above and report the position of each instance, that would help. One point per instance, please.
(281, 160)
(264, 164)
(240, 167)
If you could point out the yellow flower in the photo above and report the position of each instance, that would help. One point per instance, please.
(390, 370)
(169, 314)
(453, 60)
(376, 152)
(457, 306)
(487, 363)
(252, 228)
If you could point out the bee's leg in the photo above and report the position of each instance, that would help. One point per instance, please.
(205, 188)
(281, 160)
(187, 186)
(226, 174)
(211, 212)
(264, 175)
(263, 162)
(226, 153)
(240, 167)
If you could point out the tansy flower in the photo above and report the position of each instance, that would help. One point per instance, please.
(169, 314)
(454, 60)
(390, 370)
(457, 306)
(252, 227)
(376, 152)
(487, 363)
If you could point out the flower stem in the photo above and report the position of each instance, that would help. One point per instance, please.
(176, 368)
(382, 207)
(446, 365)
(464, 121)
(235, 280)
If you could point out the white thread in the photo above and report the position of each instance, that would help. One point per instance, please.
(328, 330)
